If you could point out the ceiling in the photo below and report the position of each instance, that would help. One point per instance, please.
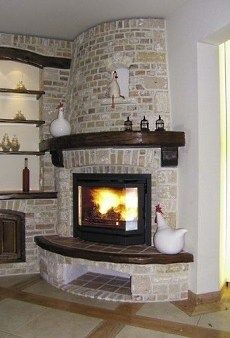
(66, 19)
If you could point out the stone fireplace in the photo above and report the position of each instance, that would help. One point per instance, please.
(139, 46)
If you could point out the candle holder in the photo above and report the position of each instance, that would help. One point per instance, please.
(144, 124)
(159, 124)
(128, 124)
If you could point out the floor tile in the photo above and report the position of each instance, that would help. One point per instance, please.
(9, 281)
(167, 311)
(45, 289)
(7, 335)
(58, 324)
(136, 332)
(15, 313)
(218, 320)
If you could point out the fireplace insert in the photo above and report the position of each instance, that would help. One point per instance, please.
(112, 208)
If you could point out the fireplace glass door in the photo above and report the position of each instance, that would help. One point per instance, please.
(109, 207)
(112, 208)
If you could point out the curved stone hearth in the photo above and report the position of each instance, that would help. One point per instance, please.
(143, 282)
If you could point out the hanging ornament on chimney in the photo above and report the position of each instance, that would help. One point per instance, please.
(114, 89)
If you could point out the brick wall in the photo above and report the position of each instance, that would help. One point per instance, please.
(40, 215)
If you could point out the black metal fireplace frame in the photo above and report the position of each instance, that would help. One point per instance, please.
(140, 236)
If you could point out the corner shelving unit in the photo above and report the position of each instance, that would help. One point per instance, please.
(38, 123)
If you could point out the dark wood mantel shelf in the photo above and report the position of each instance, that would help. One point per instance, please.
(131, 254)
(168, 141)
(32, 194)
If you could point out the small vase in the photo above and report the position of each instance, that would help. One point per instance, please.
(6, 144)
(15, 145)
(60, 126)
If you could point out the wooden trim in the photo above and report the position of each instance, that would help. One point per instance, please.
(21, 152)
(37, 93)
(33, 194)
(33, 59)
(36, 122)
(204, 298)
(71, 250)
(168, 141)
(108, 139)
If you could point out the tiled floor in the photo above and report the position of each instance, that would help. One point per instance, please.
(29, 307)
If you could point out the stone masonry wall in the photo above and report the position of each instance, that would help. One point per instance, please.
(40, 219)
(53, 81)
(142, 41)
(41, 215)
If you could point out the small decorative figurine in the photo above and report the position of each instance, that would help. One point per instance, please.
(60, 126)
(166, 239)
(15, 145)
(6, 145)
(144, 124)
(20, 86)
(159, 124)
(128, 124)
(114, 89)
(19, 116)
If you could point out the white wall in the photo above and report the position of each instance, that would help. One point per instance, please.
(28, 135)
(198, 209)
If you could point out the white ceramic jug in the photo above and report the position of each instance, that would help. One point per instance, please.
(60, 126)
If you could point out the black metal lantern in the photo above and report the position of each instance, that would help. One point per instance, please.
(159, 124)
(144, 124)
(128, 124)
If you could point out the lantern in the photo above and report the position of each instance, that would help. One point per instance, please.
(159, 124)
(144, 124)
(128, 124)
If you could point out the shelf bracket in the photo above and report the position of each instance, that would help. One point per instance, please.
(57, 158)
(169, 156)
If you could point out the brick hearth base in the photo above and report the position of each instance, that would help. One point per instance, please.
(148, 283)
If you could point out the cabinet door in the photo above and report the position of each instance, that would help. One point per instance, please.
(12, 237)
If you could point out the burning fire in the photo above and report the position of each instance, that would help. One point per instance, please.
(122, 201)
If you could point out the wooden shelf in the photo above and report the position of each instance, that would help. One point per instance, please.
(168, 141)
(37, 153)
(36, 122)
(33, 194)
(37, 93)
(34, 59)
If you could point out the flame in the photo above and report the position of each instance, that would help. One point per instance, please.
(122, 201)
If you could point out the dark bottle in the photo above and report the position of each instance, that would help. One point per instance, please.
(26, 177)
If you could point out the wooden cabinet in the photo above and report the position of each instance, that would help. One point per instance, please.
(12, 236)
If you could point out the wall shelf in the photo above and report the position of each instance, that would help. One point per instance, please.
(32, 194)
(37, 93)
(36, 122)
(22, 152)
(168, 141)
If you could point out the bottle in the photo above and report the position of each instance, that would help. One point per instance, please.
(26, 177)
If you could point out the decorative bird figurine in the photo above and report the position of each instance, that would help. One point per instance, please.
(166, 239)
(114, 89)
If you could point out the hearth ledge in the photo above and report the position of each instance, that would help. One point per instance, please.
(148, 282)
